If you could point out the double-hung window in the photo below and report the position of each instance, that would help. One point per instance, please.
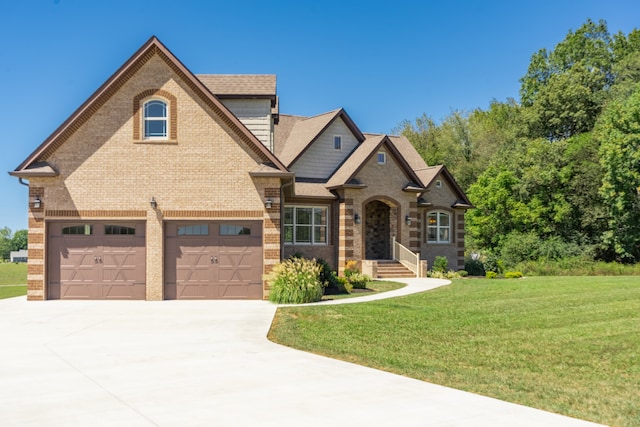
(155, 119)
(438, 227)
(305, 225)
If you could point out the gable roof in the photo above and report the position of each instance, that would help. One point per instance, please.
(151, 48)
(263, 85)
(303, 131)
(429, 174)
(356, 161)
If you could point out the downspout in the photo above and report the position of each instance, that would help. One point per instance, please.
(20, 180)
(282, 187)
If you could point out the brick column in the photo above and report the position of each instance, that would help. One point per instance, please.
(36, 238)
(154, 238)
(345, 235)
(414, 236)
(460, 239)
(272, 233)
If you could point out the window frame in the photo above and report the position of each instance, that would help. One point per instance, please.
(438, 227)
(146, 119)
(312, 227)
(381, 158)
(337, 142)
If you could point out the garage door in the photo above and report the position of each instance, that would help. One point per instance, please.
(213, 260)
(96, 260)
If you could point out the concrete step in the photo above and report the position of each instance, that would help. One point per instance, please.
(390, 269)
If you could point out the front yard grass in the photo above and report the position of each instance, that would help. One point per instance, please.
(13, 278)
(373, 287)
(569, 345)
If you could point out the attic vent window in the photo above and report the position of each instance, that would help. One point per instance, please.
(337, 142)
(438, 184)
(155, 119)
(382, 157)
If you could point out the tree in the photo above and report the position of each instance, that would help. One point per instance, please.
(19, 240)
(5, 243)
(619, 134)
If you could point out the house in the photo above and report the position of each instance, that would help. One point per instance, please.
(165, 184)
(19, 256)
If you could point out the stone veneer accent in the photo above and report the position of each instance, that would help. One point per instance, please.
(345, 238)
(36, 239)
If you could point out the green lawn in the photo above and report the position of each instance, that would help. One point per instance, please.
(11, 275)
(569, 345)
(374, 287)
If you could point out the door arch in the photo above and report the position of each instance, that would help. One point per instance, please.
(379, 226)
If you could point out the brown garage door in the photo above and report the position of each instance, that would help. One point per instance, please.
(96, 260)
(213, 260)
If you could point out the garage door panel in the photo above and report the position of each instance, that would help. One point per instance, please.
(95, 265)
(215, 265)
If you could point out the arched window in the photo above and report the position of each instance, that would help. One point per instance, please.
(155, 119)
(438, 227)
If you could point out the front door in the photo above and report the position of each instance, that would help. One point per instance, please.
(377, 230)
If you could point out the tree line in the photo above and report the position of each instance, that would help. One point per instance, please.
(555, 174)
(11, 242)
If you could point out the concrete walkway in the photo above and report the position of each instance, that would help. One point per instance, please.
(206, 363)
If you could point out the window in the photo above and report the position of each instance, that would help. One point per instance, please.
(438, 227)
(84, 229)
(438, 184)
(305, 225)
(382, 157)
(118, 229)
(337, 142)
(234, 230)
(155, 119)
(194, 230)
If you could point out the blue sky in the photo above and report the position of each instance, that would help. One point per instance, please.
(383, 61)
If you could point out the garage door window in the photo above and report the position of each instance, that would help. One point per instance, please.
(84, 229)
(119, 229)
(194, 230)
(234, 230)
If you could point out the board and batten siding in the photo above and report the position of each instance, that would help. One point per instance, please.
(255, 114)
(322, 159)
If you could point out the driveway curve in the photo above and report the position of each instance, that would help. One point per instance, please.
(208, 363)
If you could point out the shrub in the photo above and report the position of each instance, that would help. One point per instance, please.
(474, 266)
(512, 275)
(350, 267)
(344, 286)
(328, 278)
(358, 280)
(462, 273)
(491, 275)
(295, 281)
(493, 263)
(440, 263)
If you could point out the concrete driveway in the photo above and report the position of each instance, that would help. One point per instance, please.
(206, 363)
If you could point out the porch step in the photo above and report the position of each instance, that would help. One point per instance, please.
(392, 269)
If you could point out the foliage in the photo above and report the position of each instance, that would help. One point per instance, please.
(358, 280)
(512, 275)
(491, 275)
(440, 264)
(619, 133)
(545, 342)
(327, 276)
(492, 263)
(344, 286)
(295, 281)
(447, 274)
(473, 266)
(577, 266)
(11, 242)
(518, 247)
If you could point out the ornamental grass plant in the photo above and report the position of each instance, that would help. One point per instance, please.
(295, 281)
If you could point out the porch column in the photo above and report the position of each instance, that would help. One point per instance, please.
(345, 234)
(36, 254)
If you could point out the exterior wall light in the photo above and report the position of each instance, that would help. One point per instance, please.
(407, 220)
(268, 203)
(153, 202)
(37, 203)
(356, 218)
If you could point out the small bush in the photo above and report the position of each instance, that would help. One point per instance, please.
(491, 275)
(493, 263)
(462, 273)
(295, 281)
(328, 277)
(344, 286)
(474, 266)
(440, 264)
(512, 275)
(358, 280)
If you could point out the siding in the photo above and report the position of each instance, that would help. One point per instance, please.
(321, 159)
(255, 114)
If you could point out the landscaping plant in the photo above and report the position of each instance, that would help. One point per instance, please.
(295, 281)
